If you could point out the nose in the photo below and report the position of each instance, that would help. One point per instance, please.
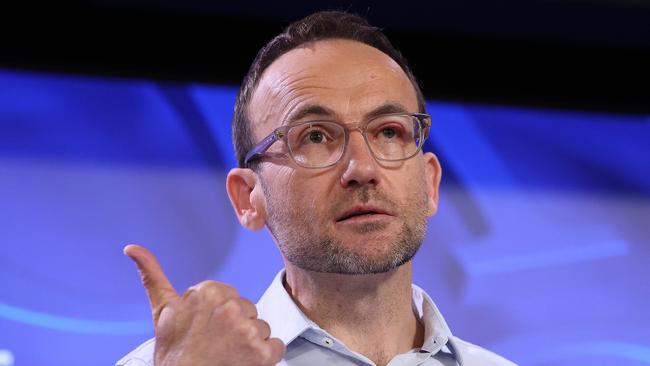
(360, 166)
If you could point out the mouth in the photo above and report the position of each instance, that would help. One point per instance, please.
(360, 213)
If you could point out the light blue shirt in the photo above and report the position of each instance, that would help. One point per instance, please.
(309, 345)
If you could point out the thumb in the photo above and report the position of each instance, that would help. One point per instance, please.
(159, 290)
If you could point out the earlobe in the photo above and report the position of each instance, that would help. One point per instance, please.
(246, 198)
(433, 173)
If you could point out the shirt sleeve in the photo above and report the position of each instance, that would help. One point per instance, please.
(141, 356)
(473, 355)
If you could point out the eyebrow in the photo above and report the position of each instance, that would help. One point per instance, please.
(310, 110)
(323, 111)
(386, 108)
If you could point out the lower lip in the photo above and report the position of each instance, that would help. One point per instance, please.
(364, 219)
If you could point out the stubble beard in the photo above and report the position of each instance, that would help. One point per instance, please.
(313, 248)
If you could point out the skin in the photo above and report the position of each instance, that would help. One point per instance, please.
(186, 326)
(371, 312)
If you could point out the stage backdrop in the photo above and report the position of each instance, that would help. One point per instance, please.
(540, 250)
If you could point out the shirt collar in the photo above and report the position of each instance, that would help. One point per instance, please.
(288, 322)
(284, 317)
(436, 331)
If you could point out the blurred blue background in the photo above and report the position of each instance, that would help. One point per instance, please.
(539, 252)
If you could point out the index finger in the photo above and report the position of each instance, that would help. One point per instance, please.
(277, 350)
(159, 290)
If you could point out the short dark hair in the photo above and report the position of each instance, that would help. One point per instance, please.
(318, 26)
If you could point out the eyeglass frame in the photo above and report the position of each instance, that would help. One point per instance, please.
(281, 133)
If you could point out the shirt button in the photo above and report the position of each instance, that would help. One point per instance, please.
(328, 342)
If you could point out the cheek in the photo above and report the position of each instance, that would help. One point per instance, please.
(410, 185)
(310, 193)
(282, 181)
(290, 191)
(403, 176)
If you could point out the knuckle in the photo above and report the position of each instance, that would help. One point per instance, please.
(245, 302)
(190, 296)
(264, 328)
(248, 307)
(279, 348)
(231, 309)
(215, 290)
(272, 351)
(229, 291)
(251, 333)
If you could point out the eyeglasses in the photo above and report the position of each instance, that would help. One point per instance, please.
(321, 144)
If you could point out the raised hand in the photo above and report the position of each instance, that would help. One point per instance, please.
(210, 324)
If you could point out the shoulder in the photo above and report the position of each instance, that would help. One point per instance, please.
(141, 356)
(473, 355)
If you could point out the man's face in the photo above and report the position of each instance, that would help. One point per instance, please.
(359, 216)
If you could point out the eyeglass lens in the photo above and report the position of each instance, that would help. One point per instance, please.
(319, 144)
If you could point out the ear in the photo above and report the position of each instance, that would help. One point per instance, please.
(247, 198)
(433, 173)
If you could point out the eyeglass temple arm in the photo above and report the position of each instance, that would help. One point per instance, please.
(263, 145)
(426, 124)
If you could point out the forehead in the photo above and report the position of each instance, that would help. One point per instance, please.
(347, 77)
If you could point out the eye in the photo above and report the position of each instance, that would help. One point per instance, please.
(316, 134)
(388, 132)
(316, 137)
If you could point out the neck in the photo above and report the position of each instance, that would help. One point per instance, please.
(371, 314)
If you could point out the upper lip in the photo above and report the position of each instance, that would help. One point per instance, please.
(360, 210)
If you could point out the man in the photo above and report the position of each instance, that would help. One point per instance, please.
(328, 129)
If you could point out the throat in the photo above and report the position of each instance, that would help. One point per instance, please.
(372, 314)
(381, 342)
